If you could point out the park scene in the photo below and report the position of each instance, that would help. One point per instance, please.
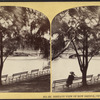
(24, 50)
(76, 50)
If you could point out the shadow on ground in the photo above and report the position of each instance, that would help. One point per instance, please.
(40, 84)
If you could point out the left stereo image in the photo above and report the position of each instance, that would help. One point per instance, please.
(24, 50)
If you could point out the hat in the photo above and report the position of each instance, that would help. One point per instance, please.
(72, 73)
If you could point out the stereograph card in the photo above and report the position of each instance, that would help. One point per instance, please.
(49, 49)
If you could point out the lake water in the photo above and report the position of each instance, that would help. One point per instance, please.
(62, 67)
(20, 64)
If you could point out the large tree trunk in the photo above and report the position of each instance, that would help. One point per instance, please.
(1, 74)
(84, 82)
(1, 57)
(85, 59)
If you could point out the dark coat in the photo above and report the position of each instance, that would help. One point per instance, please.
(70, 79)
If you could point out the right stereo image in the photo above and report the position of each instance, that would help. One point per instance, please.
(75, 39)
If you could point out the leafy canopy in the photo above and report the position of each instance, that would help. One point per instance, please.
(24, 28)
(75, 25)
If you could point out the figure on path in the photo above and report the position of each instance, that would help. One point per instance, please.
(70, 79)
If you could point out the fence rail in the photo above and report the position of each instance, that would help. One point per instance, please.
(23, 76)
(77, 82)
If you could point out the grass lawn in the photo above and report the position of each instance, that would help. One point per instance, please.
(40, 84)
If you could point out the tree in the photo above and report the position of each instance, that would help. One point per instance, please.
(11, 21)
(78, 28)
(18, 23)
(38, 32)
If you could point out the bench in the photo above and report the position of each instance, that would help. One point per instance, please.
(77, 80)
(97, 78)
(34, 72)
(46, 70)
(59, 82)
(46, 67)
(18, 76)
(4, 78)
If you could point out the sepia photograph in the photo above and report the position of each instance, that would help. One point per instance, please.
(49, 49)
(24, 50)
(76, 50)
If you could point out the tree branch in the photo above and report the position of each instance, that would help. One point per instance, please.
(57, 55)
(78, 57)
(92, 56)
(7, 56)
(96, 51)
(5, 59)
